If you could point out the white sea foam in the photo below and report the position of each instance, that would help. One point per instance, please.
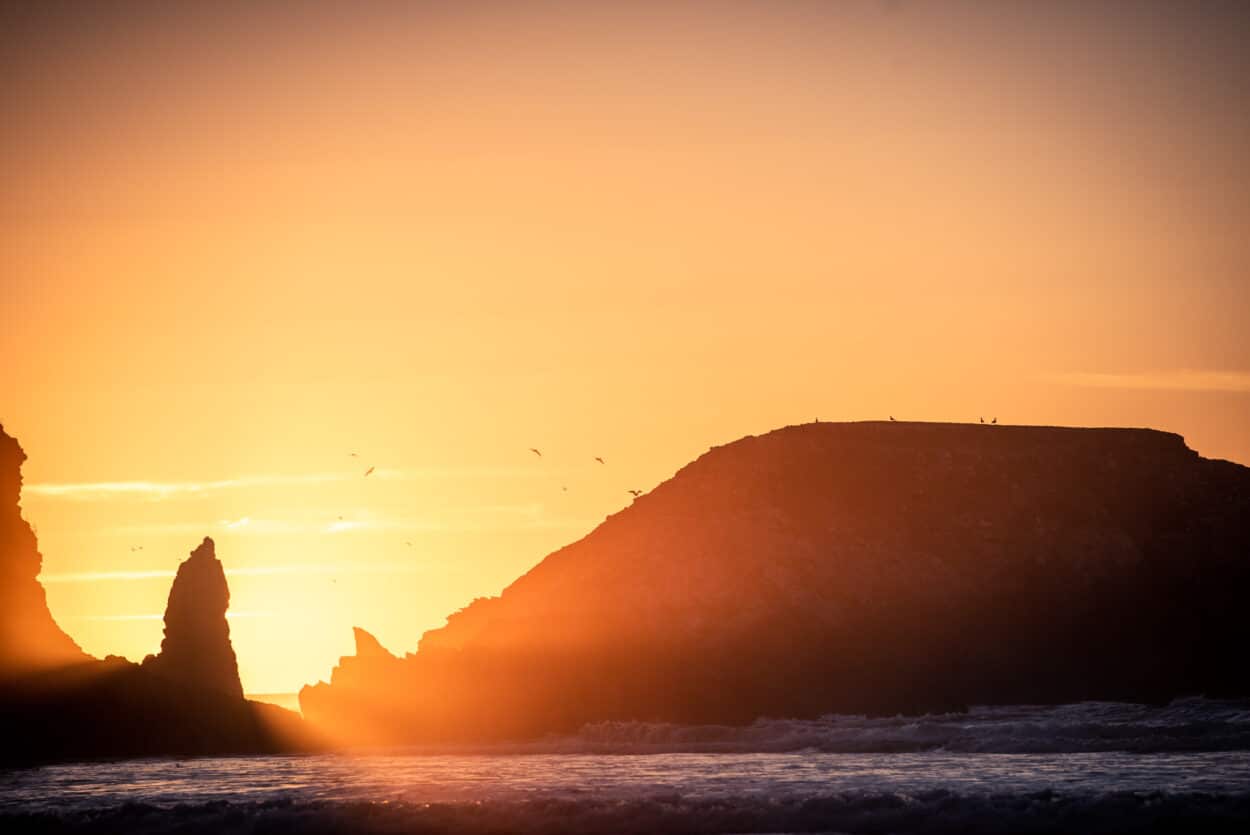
(1194, 724)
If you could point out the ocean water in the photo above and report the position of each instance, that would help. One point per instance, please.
(1091, 767)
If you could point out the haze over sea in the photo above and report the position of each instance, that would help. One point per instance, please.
(1092, 767)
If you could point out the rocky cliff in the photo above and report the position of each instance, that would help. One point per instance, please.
(865, 567)
(196, 650)
(29, 638)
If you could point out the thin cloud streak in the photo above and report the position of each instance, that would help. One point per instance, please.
(251, 527)
(97, 576)
(157, 490)
(507, 518)
(1187, 380)
(160, 490)
(253, 571)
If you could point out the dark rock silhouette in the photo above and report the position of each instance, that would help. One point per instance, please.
(57, 703)
(30, 640)
(871, 567)
(196, 649)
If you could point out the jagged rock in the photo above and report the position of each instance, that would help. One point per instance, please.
(870, 567)
(368, 672)
(370, 658)
(368, 646)
(196, 649)
(29, 638)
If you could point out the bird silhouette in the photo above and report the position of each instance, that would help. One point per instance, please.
(371, 469)
(353, 455)
(891, 417)
(635, 493)
(995, 420)
(536, 452)
(564, 489)
(983, 420)
(600, 460)
(136, 548)
(409, 544)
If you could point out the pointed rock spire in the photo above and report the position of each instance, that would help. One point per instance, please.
(368, 646)
(196, 649)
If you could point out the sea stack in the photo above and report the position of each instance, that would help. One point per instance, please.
(196, 649)
(30, 640)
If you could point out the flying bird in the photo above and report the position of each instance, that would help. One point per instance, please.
(371, 469)
(536, 452)
(600, 460)
(409, 544)
(564, 489)
(136, 548)
(353, 455)
(635, 493)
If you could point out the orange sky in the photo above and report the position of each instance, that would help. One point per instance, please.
(238, 245)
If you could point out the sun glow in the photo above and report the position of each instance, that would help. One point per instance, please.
(319, 298)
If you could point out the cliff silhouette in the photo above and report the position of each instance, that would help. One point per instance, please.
(859, 567)
(30, 640)
(58, 703)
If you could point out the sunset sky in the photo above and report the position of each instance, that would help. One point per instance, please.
(238, 245)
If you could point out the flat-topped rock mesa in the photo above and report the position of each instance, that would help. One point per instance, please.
(860, 567)
(196, 649)
(30, 639)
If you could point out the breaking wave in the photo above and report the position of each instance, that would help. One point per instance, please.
(1195, 724)
(1094, 767)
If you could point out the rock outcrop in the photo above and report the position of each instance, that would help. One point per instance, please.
(368, 648)
(869, 567)
(30, 640)
(56, 703)
(196, 650)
